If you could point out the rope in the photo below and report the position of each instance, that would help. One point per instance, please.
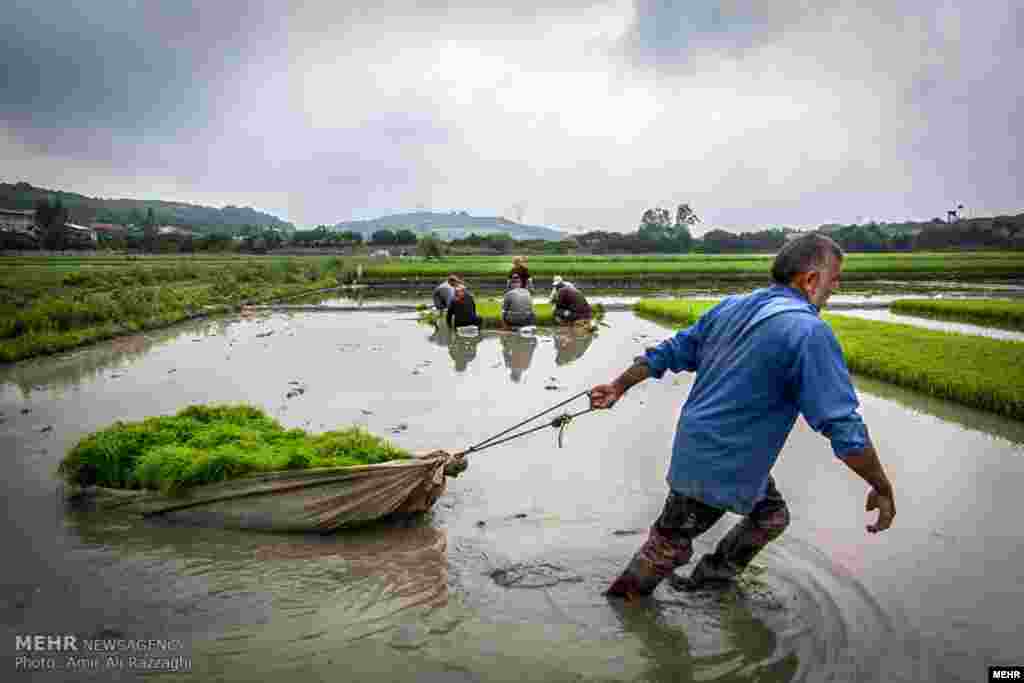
(560, 422)
(529, 419)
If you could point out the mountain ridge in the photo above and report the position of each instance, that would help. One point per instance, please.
(22, 195)
(451, 225)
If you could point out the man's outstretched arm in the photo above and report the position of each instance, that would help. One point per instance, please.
(829, 403)
(867, 466)
(605, 395)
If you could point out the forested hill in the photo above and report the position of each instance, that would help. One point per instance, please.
(448, 226)
(85, 209)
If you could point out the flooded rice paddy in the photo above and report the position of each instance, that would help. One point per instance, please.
(503, 580)
(369, 301)
(888, 316)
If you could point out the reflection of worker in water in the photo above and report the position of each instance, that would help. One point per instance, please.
(571, 344)
(742, 638)
(518, 352)
(442, 335)
(463, 350)
(760, 359)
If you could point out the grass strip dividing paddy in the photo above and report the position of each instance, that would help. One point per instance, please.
(203, 444)
(996, 313)
(972, 370)
(490, 311)
(44, 309)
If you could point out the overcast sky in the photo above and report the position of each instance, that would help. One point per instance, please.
(570, 114)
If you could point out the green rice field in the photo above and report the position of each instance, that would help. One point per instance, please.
(51, 305)
(54, 303)
(975, 371)
(1006, 314)
(204, 444)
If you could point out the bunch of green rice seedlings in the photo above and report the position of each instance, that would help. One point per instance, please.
(994, 312)
(204, 444)
(682, 311)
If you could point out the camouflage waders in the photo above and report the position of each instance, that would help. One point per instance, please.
(669, 543)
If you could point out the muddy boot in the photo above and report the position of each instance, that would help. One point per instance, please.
(655, 560)
(737, 548)
(631, 586)
(710, 572)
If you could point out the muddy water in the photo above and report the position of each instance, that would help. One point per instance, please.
(503, 580)
(928, 323)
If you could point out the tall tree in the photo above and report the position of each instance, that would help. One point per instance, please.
(383, 237)
(51, 219)
(405, 236)
(429, 246)
(149, 231)
(682, 239)
(654, 225)
(501, 242)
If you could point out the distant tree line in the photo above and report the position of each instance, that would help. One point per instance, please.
(659, 231)
(322, 236)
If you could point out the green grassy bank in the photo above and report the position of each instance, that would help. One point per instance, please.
(46, 307)
(490, 311)
(975, 371)
(1006, 314)
(205, 444)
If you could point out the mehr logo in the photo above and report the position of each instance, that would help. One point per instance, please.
(38, 643)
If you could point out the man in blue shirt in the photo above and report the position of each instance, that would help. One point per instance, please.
(760, 359)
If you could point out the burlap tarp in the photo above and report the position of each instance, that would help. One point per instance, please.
(300, 500)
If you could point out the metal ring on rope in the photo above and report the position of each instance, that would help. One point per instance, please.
(560, 423)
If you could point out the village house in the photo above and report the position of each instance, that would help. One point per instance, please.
(18, 229)
(173, 230)
(79, 235)
(108, 229)
(18, 220)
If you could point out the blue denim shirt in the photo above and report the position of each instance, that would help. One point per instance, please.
(760, 359)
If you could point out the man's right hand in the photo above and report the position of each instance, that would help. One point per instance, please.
(886, 511)
(604, 396)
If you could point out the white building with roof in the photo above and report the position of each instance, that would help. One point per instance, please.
(18, 220)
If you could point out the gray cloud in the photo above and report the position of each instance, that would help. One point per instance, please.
(940, 76)
(787, 112)
(142, 69)
(669, 33)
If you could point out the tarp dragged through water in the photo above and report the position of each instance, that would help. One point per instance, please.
(320, 500)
